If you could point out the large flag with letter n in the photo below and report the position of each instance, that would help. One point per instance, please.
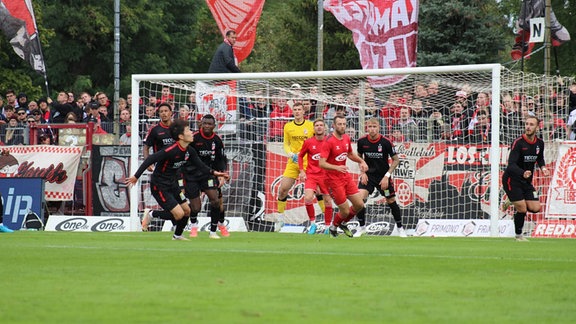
(19, 25)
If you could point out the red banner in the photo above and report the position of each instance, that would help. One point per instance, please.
(240, 16)
(18, 23)
(385, 33)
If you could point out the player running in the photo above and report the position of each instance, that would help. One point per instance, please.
(333, 157)
(314, 176)
(210, 149)
(526, 151)
(375, 149)
(164, 179)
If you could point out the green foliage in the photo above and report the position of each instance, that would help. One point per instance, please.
(460, 32)
(180, 36)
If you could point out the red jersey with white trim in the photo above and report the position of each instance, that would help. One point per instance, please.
(311, 147)
(335, 151)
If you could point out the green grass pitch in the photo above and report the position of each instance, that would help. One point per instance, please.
(56, 277)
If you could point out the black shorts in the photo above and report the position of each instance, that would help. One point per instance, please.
(168, 197)
(193, 187)
(374, 183)
(518, 190)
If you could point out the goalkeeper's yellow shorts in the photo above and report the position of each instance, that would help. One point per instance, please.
(292, 170)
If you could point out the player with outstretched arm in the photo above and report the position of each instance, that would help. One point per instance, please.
(164, 179)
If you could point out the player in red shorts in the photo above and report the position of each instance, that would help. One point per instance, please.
(335, 152)
(314, 176)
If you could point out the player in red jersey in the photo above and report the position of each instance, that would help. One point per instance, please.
(335, 152)
(314, 176)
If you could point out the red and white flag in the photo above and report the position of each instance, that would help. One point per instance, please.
(18, 23)
(241, 16)
(385, 33)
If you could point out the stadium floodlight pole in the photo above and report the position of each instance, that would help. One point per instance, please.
(547, 34)
(320, 35)
(116, 68)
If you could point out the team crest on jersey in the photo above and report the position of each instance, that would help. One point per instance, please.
(337, 147)
(379, 147)
(537, 149)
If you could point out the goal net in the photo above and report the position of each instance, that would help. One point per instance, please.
(450, 127)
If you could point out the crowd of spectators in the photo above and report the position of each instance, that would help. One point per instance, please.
(426, 112)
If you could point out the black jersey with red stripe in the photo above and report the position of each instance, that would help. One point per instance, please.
(376, 154)
(524, 155)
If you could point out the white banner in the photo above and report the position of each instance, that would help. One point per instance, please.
(462, 228)
(234, 224)
(562, 189)
(58, 165)
(87, 224)
(219, 101)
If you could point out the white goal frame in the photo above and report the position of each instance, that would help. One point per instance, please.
(495, 70)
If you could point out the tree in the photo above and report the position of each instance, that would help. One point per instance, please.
(460, 32)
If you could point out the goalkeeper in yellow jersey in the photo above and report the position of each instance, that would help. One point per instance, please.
(295, 133)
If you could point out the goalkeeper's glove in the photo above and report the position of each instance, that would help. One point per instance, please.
(294, 158)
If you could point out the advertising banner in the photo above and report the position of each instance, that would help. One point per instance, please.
(562, 189)
(19, 196)
(57, 165)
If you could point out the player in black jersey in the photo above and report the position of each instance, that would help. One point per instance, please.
(164, 180)
(210, 149)
(158, 137)
(526, 151)
(375, 149)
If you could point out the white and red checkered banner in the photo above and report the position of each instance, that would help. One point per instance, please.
(58, 165)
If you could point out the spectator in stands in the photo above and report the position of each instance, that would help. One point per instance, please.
(14, 133)
(104, 117)
(436, 98)
(572, 97)
(279, 117)
(396, 135)
(462, 97)
(479, 132)
(126, 138)
(408, 125)
(44, 109)
(71, 118)
(224, 60)
(458, 122)
(93, 113)
(122, 104)
(124, 115)
(153, 100)
(507, 105)
(60, 108)
(391, 110)
(571, 125)
(32, 105)
(8, 113)
(421, 93)
(166, 95)
(192, 102)
(103, 100)
(21, 115)
(420, 116)
(260, 111)
(22, 100)
(44, 139)
(309, 110)
(11, 98)
(434, 125)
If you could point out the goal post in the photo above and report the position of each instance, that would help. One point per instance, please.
(442, 178)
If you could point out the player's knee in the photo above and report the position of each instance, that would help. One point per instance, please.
(215, 204)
